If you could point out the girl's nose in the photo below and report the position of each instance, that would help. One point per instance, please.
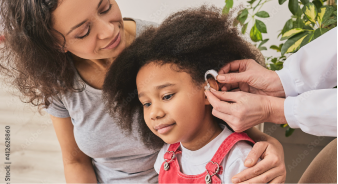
(156, 113)
(105, 29)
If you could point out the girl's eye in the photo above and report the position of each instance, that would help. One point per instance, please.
(106, 11)
(146, 105)
(168, 97)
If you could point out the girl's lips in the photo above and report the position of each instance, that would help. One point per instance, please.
(162, 129)
(115, 42)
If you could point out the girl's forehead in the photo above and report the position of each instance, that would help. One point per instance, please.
(153, 74)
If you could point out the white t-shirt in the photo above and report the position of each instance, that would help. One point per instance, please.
(194, 162)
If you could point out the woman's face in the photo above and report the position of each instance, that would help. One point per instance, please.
(174, 106)
(93, 29)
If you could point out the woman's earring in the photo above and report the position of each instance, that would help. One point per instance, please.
(214, 73)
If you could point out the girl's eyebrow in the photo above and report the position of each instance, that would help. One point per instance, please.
(164, 86)
(158, 88)
(81, 23)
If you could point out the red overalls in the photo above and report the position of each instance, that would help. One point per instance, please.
(170, 169)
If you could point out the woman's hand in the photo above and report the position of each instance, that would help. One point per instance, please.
(271, 169)
(248, 76)
(243, 110)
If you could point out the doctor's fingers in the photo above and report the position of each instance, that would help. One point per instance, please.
(235, 66)
(217, 103)
(228, 96)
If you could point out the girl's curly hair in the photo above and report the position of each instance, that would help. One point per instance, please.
(32, 59)
(195, 40)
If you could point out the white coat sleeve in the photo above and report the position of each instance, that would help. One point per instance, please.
(308, 77)
(314, 112)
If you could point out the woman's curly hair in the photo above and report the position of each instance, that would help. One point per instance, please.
(195, 40)
(32, 59)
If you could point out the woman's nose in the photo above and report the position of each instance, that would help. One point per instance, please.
(156, 113)
(105, 29)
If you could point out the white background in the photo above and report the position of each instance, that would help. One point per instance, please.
(158, 10)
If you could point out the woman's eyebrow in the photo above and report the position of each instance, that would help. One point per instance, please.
(80, 24)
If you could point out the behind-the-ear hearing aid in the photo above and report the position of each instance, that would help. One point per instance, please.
(214, 73)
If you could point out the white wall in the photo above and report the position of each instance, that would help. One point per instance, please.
(158, 10)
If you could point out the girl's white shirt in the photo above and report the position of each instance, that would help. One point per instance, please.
(194, 162)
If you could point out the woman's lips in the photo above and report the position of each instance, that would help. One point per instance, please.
(164, 128)
(115, 42)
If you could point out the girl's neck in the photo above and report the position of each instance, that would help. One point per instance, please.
(206, 133)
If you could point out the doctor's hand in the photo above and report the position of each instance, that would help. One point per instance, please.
(241, 110)
(249, 76)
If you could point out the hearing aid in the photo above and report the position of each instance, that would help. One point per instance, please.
(213, 73)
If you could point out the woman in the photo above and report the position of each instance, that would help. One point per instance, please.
(61, 56)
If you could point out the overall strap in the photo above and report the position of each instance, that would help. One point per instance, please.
(214, 165)
(172, 150)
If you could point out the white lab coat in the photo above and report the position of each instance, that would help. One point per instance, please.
(308, 78)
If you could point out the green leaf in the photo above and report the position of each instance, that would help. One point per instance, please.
(293, 6)
(281, 1)
(263, 42)
(243, 16)
(289, 131)
(298, 23)
(229, 3)
(245, 26)
(291, 33)
(261, 26)
(274, 47)
(316, 34)
(320, 14)
(317, 3)
(310, 11)
(329, 22)
(327, 14)
(262, 48)
(255, 34)
(304, 1)
(262, 14)
(225, 10)
(307, 39)
(288, 26)
(251, 2)
(293, 44)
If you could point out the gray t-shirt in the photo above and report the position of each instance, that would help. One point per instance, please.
(117, 157)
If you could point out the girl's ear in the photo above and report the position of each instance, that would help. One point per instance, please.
(213, 84)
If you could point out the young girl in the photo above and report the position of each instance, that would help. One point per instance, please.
(160, 78)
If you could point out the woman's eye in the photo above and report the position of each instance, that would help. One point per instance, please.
(81, 37)
(146, 105)
(106, 11)
(168, 97)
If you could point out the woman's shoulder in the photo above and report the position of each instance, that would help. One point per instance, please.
(141, 25)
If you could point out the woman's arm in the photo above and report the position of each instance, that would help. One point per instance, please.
(271, 169)
(78, 167)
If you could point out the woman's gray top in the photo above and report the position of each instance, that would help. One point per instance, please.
(117, 157)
